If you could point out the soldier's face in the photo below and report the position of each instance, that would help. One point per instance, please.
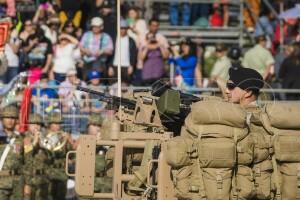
(234, 93)
(9, 123)
(33, 128)
(93, 130)
(54, 127)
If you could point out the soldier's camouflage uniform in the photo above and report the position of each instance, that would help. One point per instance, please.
(37, 160)
(11, 180)
(56, 173)
(103, 183)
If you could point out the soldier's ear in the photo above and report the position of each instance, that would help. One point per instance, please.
(249, 93)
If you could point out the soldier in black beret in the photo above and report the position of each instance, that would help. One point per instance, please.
(243, 85)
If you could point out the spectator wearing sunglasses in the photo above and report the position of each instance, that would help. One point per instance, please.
(243, 86)
(70, 29)
(27, 30)
(222, 65)
(51, 29)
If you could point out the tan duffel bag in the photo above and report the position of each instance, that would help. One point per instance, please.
(282, 120)
(179, 151)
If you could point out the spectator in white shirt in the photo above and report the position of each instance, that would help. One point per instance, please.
(66, 52)
(137, 25)
(128, 56)
(11, 52)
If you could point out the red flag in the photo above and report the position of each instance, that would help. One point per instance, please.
(25, 109)
(4, 29)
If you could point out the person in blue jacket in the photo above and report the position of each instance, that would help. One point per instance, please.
(185, 61)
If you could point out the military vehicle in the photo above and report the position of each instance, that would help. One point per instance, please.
(134, 140)
(224, 151)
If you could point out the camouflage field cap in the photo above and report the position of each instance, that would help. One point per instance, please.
(9, 111)
(54, 118)
(95, 119)
(35, 118)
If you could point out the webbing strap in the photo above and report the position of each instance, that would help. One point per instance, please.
(298, 182)
(5, 152)
(234, 178)
(276, 178)
(202, 189)
(219, 180)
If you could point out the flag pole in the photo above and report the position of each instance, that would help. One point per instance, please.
(118, 46)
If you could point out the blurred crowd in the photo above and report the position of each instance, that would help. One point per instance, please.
(63, 43)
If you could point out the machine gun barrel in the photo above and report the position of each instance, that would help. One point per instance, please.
(113, 100)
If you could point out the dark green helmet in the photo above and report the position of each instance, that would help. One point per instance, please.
(35, 118)
(9, 111)
(55, 118)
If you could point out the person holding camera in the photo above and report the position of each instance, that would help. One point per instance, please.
(153, 52)
(186, 61)
(153, 56)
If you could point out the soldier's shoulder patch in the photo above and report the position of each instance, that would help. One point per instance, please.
(28, 148)
(17, 148)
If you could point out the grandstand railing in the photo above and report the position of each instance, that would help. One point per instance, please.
(230, 35)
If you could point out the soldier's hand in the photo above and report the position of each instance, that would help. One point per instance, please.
(36, 137)
(27, 190)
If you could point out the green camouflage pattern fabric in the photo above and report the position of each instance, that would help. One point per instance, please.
(58, 179)
(54, 118)
(103, 183)
(35, 118)
(35, 168)
(11, 187)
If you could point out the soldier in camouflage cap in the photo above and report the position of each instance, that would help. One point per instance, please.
(35, 118)
(103, 183)
(94, 124)
(37, 160)
(9, 111)
(11, 180)
(9, 116)
(54, 122)
(56, 173)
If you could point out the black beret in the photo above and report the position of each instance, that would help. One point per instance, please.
(246, 78)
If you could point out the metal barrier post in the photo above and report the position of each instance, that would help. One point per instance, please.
(241, 23)
(38, 98)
